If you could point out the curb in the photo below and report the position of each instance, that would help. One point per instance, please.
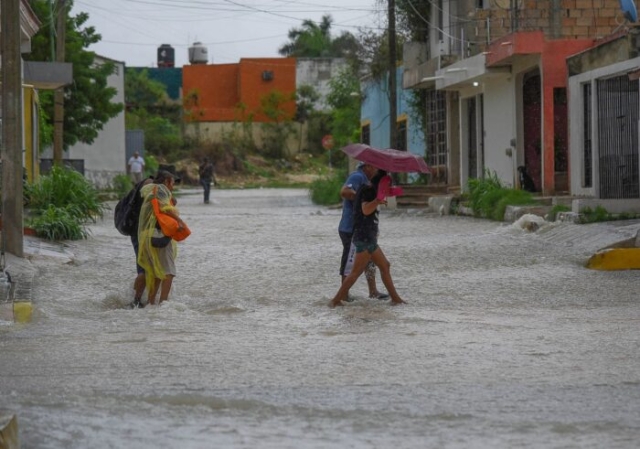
(18, 307)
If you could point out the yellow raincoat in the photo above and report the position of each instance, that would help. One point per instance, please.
(148, 254)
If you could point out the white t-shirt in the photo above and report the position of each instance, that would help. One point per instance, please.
(137, 164)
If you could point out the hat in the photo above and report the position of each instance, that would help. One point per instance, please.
(361, 164)
(164, 173)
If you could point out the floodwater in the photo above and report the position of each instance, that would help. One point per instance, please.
(507, 341)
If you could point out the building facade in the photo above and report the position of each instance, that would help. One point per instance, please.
(495, 75)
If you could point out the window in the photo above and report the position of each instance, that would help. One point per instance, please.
(401, 137)
(587, 126)
(436, 134)
(365, 136)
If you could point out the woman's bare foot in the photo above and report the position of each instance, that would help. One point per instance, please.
(333, 303)
(396, 302)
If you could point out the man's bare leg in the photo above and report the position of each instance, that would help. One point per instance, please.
(138, 286)
(154, 291)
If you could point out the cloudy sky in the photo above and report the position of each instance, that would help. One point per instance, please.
(132, 30)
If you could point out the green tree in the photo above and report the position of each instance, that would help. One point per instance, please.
(344, 100)
(142, 92)
(88, 99)
(314, 40)
(150, 109)
(277, 131)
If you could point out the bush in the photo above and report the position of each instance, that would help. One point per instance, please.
(122, 184)
(61, 203)
(326, 191)
(489, 198)
(555, 210)
(58, 223)
(151, 165)
(65, 188)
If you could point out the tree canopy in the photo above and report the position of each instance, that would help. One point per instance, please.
(88, 101)
(313, 40)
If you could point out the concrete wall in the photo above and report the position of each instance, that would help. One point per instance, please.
(218, 132)
(230, 92)
(317, 72)
(105, 157)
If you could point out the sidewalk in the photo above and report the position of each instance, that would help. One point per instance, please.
(17, 306)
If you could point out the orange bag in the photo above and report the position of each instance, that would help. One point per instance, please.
(168, 225)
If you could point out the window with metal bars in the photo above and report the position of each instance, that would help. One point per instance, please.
(365, 134)
(587, 126)
(436, 134)
(401, 135)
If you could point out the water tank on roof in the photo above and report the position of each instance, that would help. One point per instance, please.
(166, 56)
(198, 53)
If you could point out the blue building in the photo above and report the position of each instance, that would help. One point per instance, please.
(374, 117)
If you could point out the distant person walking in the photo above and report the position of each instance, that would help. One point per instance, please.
(136, 167)
(205, 170)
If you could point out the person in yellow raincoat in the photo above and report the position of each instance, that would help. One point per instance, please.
(158, 262)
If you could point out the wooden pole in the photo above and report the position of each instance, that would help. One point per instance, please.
(393, 94)
(58, 96)
(12, 170)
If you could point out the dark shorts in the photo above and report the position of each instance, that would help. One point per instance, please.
(345, 237)
(369, 247)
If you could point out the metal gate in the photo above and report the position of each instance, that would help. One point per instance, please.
(618, 137)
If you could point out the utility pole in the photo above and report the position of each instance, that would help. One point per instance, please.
(393, 95)
(58, 96)
(12, 213)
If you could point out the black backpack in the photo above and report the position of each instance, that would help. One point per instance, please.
(127, 211)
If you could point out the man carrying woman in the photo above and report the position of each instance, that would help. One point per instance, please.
(156, 255)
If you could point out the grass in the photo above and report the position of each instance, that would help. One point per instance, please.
(326, 191)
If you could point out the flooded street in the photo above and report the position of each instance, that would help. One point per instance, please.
(507, 341)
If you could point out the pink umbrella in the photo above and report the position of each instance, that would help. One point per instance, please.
(389, 159)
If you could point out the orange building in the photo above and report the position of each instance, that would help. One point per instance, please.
(233, 92)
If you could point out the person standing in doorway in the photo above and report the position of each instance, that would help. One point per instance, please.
(207, 177)
(136, 167)
(361, 176)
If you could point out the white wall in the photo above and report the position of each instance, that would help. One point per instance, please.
(317, 72)
(105, 157)
(500, 121)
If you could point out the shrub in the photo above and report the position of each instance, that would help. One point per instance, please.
(58, 223)
(489, 198)
(122, 184)
(588, 215)
(65, 188)
(326, 191)
(555, 210)
(151, 165)
(61, 203)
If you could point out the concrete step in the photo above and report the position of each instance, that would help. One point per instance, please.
(417, 196)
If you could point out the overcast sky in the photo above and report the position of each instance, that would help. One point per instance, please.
(132, 30)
